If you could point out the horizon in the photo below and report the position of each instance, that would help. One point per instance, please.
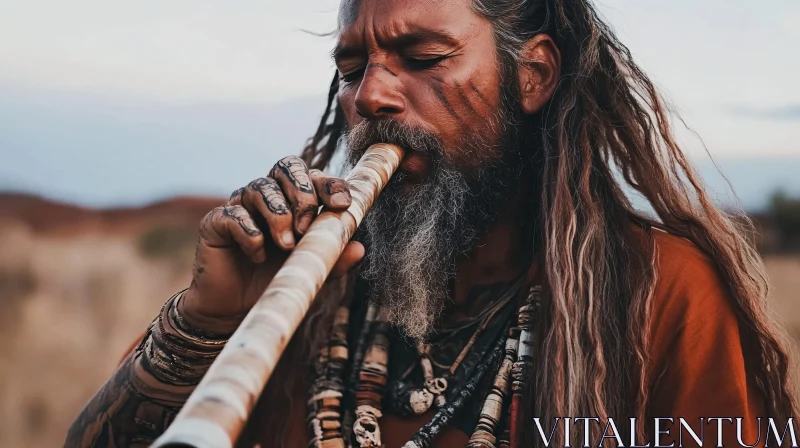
(124, 104)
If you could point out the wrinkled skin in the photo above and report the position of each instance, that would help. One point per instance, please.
(430, 64)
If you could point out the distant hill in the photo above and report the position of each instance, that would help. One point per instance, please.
(753, 179)
(48, 216)
(104, 152)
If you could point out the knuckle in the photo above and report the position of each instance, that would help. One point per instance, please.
(256, 184)
(286, 162)
(215, 213)
(251, 196)
(306, 201)
(286, 165)
(251, 245)
(236, 212)
(306, 209)
(236, 193)
(278, 210)
(334, 185)
(239, 216)
(270, 185)
(210, 217)
(271, 195)
(247, 195)
(293, 160)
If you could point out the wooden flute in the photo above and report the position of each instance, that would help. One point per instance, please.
(216, 412)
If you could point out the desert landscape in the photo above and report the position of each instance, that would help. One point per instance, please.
(78, 286)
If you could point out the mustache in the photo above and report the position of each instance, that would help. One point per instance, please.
(389, 130)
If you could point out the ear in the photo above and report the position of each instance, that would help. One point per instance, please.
(539, 72)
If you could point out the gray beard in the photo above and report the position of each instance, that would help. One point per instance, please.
(415, 232)
(412, 249)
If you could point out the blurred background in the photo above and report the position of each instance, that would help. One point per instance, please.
(123, 123)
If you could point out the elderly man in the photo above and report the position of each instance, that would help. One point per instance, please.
(502, 279)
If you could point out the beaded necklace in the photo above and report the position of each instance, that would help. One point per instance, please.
(510, 356)
(407, 399)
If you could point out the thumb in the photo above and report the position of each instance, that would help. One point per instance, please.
(352, 254)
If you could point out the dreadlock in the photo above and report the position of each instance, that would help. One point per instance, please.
(320, 148)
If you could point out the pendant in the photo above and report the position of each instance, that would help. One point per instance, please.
(437, 386)
(420, 401)
(366, 428)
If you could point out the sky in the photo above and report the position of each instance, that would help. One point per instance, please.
(105, 103)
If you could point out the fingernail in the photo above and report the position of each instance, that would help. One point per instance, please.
(287, 238)
(340, 199)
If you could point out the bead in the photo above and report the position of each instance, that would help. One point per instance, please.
(421, 401)
(520, 372)
(324, 418)
(492, 411)
(371, 387)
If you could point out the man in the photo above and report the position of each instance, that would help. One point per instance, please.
(523, 121)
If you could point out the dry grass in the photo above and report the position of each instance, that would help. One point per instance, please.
(784, 275)
(71, 305)
(80, 303)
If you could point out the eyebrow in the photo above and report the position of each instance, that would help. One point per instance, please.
(408, 39)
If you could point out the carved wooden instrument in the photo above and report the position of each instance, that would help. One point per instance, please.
(215, 414)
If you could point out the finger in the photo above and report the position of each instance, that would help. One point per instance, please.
(352, 254)
(232, 225)
(264, 197)
(333, 192)
(292, 176)
(236, 197)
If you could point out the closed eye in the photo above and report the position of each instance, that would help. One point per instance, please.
(423, 63)
(352, 76)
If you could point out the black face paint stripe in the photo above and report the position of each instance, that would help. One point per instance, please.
(437, 89)
(379, 65)
(463, 96)
(480, 95)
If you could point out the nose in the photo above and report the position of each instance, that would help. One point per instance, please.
(379, 95)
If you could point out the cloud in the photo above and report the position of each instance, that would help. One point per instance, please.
(790, 112)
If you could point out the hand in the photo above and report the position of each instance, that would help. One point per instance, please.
(244, 242)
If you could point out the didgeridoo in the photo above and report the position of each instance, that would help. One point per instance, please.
(215, 414)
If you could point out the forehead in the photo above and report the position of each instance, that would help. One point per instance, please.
(390, 18)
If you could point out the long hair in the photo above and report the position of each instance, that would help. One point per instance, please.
(605, 130)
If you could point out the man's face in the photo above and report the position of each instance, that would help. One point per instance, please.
(425, 75)
(427, 64)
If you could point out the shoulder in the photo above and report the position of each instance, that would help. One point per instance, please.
(688, 282)
(693, 312)
(696, 357)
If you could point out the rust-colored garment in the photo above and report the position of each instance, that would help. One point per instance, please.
(697, 354)
(698, 367)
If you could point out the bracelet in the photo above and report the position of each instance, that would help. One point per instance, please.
(194, 335)
(175, 354)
